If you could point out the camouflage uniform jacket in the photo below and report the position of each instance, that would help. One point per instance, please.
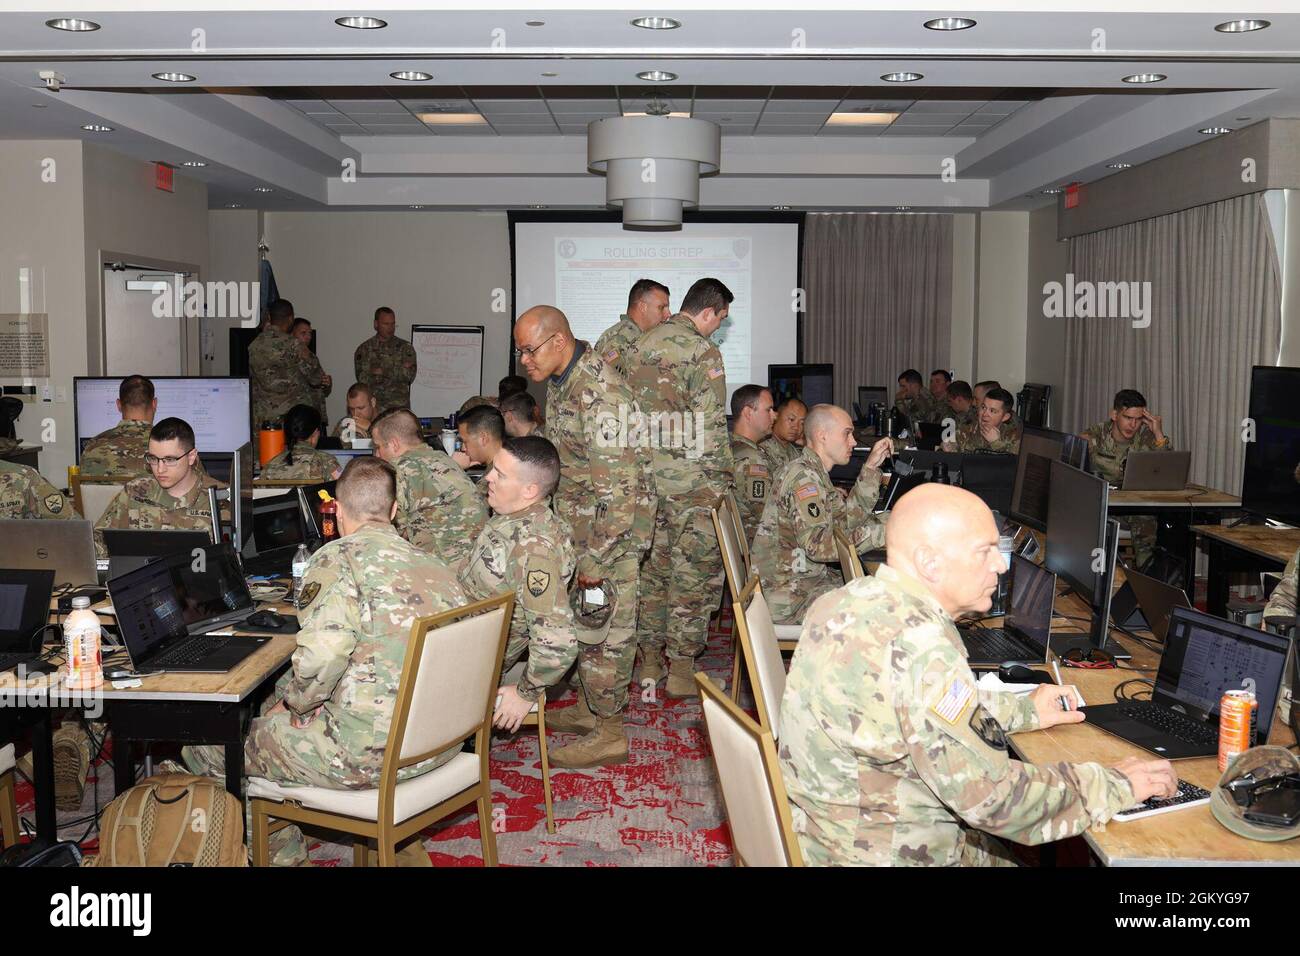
(438, 508)
(1108, 456)
(307, 463)
(606, 489)
(10, 444)
(319, 392)
(361, 594)
(889, 751)
(971, 438)
(281, 374)
(794, 544)
(118, 451)
(755, 472)
(615, 340)
(529, 552)
(920, 408)
(24, 493)
(1282, 602)
(388, 367)
(679, 380)
(142, 503)
(780, 451)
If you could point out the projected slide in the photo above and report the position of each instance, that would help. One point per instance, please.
(586, 269)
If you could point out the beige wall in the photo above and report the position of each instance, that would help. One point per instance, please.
(1045, 338)
(965, 287)
(233, 235)
(430, 267)
(1003, 270)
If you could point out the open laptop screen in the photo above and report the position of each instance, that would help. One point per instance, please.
(1204, 656)
(278, 521)
(24, 607)
(1033, 591)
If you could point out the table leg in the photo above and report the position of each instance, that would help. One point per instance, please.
(235, 769)
(123, 765)
(1216, 585)
(47, 824)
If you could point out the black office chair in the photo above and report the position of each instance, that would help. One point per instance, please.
(10, 409)
(1034, 403)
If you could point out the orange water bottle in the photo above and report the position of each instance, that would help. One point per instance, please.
(329, 516)
(270, 441)
(81, 647)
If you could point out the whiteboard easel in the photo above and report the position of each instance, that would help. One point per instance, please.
(449, 368)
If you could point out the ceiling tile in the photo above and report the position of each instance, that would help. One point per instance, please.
(851, 130)
(873, 106)
(726, 106)
(609, 105)
(440, 105)
(897, 130)
(1002, 107)
(368, 106)
(912, 118)
(515, 107)
(802, 106)
(946, 106)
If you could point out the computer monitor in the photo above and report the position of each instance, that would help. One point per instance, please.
(869, 395)
(991, 476)
(1039, 447)
(1270, 484)
(278, 521)
(1076, 530)
(811, 384)
(217, 464)
(217, 408)
(241, 495)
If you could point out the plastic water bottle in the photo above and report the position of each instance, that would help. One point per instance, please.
(81, 637)
(300, 561)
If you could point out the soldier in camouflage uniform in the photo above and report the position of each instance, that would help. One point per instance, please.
(787, 432)
(281, 372)
(606, 495)
(680, 383)
(301, 330)
(1132, 427)
(890, 753)
(941, 404)
(794, 544)
(121, 449)
(963, 409)
(522, 416)
(994, 430)
(526, 548)
(362, 410)
(647, 306)
(173, 497)
(24, 493)
(752, 416)
(327, 723)
(9, 444)
(913, 400)
(438, 508)
(386, 363)
(301, 459)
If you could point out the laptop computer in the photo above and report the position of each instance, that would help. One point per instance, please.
(280, 525)
(1147, 602)
(24, 612)
(132, 548)
(1028, 621)
(1156, 470)
(66, 548)
(165, 609)
(1203, 657)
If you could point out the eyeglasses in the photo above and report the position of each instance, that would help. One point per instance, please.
(153, 461)
(1077, 657)
(520, 353)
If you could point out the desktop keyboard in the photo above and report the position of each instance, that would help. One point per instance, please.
(988, 643)
(1170, 722)
(1189, 795)
(190, 651)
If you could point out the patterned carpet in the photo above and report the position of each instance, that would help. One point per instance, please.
(661, 808)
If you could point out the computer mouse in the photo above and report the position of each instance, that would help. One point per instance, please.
(118, 673)
(1020, 674)
(267, 619)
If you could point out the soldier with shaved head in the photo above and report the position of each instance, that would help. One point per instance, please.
(890, 753)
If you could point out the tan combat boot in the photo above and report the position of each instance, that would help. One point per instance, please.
(681, 679)
(577, 719)
(605, 745)
(651, 666)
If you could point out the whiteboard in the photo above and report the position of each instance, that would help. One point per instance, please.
(448, 368)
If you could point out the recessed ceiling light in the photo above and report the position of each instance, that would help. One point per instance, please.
(1214, 130)
(74, 25)
(902, 77)
(263, 189)
(97, 128)
(416, 206)
(194, 163)
(174, 77)
(361, 23)
(950, 23)
(656, 23)
(1052, 191)
(411, 76)
(656, 76)
(234, 205)
(781, 208)
(902, 208)
(1242, 26)
(452, 119)
(861, 119)
(1119, 165)
(1145, 78)
(534, 23)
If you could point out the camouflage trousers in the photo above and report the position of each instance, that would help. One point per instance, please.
(790, 604)
(681, 581)
(605, 669)
(1142, 528)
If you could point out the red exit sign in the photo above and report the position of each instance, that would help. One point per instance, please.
(162, 176)
(1073, 195)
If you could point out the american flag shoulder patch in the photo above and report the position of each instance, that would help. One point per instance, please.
(717, 372)
(759, 470)
(954, 701)
(611, 355)
(809, 490)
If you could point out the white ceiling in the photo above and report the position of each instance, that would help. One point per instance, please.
(1030, 98)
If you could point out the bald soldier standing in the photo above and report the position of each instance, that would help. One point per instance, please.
(282, 373)
(752, 416)
(386, 363)
(438, 508)
(890, 753)
(680, 383)
(606, 494)
(647, 306)
(24, 493)
(794, 542)
(121, 449)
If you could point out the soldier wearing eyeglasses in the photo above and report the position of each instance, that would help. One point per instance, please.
(172, 497)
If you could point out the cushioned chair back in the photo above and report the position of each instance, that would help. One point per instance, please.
(767, 670)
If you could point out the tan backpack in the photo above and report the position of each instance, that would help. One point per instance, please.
(172, 819)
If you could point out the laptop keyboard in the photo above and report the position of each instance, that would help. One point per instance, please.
(1170, 722)
(191, 651)
(992, 643)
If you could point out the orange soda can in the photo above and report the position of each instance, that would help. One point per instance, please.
(1237, 711)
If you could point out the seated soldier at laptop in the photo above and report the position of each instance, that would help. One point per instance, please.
(362, 409)
(300, 459)
(793, 543)
(994, 430)
(172, 497)
(24, 493)
(326, 723)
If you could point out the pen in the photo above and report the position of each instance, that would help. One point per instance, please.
(1066, 703)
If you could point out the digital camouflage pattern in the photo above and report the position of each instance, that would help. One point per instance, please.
(438, 508)
(919, 408)
(319, 392)
(308, 463)
(615, 340)
(755, 472)
(143, 504)
(971, 438)
(118, 451)
(606, 494)
(891, 755)
(530, 553)
(24, 493)
(388, 367)
(282, 373)
(1108, 456)
(794, 543)
(9, 444)
(780, 451)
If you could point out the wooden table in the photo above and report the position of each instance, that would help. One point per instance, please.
(1175, 512)
(1243, 548)
(1181, 838)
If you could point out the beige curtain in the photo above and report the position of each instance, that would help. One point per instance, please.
(879, 296)
(1214, 311)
